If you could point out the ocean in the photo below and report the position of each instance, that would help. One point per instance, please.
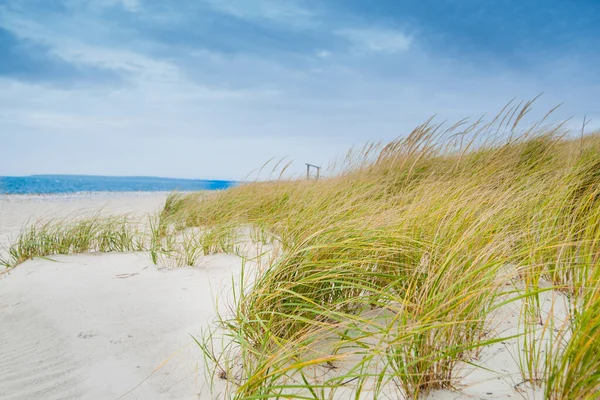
(53, 184)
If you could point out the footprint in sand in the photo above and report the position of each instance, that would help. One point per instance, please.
(87, 335)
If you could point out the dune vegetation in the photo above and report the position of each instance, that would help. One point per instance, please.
(78, 234)
(386, 275)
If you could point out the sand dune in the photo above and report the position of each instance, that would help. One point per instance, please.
(114, 326)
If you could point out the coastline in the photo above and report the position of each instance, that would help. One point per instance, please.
(73, 184)
(89, 194)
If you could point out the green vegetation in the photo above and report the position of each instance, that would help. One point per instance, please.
(386, 276)
(390, 271)
(75, 235)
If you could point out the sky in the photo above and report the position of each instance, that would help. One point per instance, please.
(215, 88)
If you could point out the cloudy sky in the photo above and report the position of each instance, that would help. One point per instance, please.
(213, 88)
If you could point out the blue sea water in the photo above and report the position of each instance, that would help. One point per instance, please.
(52, 184)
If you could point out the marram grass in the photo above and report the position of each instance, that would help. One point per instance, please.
(76, 235)
(380, 281)
(390, 269)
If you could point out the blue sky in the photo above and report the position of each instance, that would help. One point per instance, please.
(212, 89)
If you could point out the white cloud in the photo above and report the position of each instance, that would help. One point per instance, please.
(139, 65)
(377, 39)
(76, 51)
(287, 12)
(131, 5)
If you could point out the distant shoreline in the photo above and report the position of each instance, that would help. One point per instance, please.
(91, 194)
(73, 184)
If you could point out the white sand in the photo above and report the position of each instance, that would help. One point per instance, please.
(102, 326)
(113, 326)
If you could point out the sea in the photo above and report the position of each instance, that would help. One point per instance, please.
(63, 184)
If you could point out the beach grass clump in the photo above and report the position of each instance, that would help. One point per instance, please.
(573, 369)
(81, 234)
(178, 245)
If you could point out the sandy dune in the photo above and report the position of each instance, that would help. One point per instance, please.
(114, 326)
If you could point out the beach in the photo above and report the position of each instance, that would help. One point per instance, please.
(296, 200)
(102, 326)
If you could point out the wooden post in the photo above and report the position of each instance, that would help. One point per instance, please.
(308, 170)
